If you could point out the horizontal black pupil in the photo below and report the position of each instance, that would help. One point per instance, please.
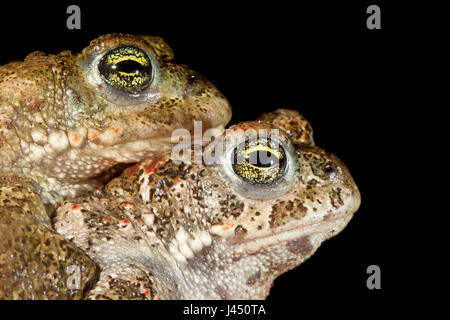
(257, 159)
(129, 66)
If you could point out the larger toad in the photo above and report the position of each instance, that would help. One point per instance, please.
(221, 229)
(65, 119)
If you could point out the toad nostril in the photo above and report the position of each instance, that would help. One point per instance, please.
(195, 79)
(192, 79)
(191, 84)
(329, 168)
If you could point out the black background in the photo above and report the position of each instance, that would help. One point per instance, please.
(317, 58)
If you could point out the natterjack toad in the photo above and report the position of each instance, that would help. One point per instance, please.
(65, 119)
(219, 230)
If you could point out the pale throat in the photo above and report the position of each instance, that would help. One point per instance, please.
(212, 273)
(58, 174)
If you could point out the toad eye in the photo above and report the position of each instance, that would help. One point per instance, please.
(261, 162)
(127, 68)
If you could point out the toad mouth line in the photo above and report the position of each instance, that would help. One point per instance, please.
(132, 151)
(292, 233)
(134, 144)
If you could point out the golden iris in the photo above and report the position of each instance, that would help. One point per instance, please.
(126, 68)
(260, 161)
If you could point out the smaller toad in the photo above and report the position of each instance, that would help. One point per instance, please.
(222, 229)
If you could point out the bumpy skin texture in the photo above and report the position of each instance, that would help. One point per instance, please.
(167, 230)
(33, 258)
(61, 126)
